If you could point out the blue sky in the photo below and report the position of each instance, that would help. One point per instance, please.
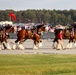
(37, 4)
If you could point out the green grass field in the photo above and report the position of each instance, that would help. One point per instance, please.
(38, 64)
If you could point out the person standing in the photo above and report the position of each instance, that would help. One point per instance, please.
(28, 24)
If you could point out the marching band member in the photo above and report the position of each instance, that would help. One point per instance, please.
(60, 41)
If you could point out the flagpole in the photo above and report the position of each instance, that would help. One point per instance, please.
(10, 19)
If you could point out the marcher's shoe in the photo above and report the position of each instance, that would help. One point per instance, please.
(57, 49)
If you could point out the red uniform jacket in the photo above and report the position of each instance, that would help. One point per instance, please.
(60, 36)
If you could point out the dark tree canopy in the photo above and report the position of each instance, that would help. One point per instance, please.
(47, 16)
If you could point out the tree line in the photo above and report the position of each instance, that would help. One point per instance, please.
(37, 16)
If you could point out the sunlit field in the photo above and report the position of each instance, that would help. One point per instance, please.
(38, 64)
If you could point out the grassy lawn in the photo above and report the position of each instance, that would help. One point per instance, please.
(52, 64)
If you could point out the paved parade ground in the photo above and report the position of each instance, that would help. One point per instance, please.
(46, 48)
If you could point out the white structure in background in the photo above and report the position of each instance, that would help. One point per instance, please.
(6, 22)
(59, 27)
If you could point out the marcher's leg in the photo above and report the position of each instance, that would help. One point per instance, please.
(58, 47)
(62, 44)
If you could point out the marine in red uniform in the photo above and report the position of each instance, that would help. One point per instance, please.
(60, 40)
(60, 35)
